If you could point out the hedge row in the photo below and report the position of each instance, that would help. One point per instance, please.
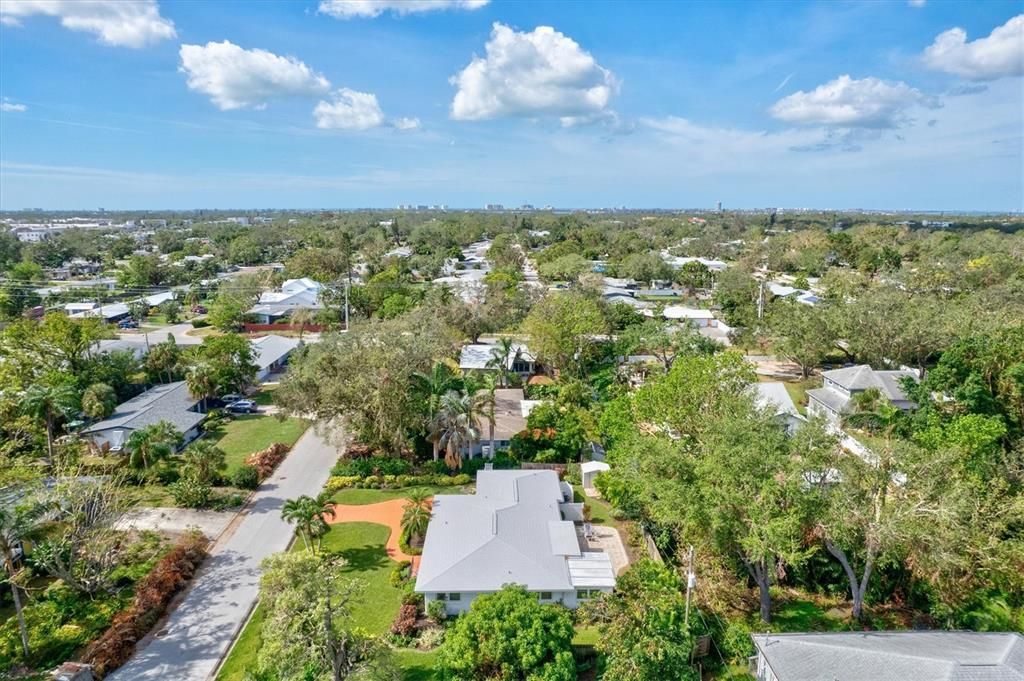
(338, 482)
(152, 596)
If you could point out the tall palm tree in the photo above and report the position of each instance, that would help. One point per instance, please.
(16, 525)
(503, 355)
(201, 381)
(431, 388)
(487, 401)
(48, 404)
(309, 515)
(416, 514)
(153, 443)
(302, 317)
(164, 359)
(457, 425)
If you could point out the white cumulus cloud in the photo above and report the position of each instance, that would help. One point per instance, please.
(122, 23)
(348, 9)
(236, 78)
(999, 55)
(852, 103)
(8, 105)
(539, 73)
(405, 123)
(349, 110)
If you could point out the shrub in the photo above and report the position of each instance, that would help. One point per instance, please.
(246, 477)
(735, 642)
(199, 323)
(267, 460)
(403, 544)
(430, 638)
(152, 595)
(400, 573)
(436, 611)
(405, 621)
(190, 492)
(414, 599)
(373, 465)
(338, 482)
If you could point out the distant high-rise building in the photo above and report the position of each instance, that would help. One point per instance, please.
(494, 206)
(719, 206)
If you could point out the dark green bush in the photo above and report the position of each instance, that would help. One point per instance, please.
(246, 477)
(373, 465)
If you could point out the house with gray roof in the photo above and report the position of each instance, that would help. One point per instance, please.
(271, 353)
(832, 399)
(889, 656)
(513, 530)
(170, 402)
(773, 396)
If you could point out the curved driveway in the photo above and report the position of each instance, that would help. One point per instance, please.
(191, 642)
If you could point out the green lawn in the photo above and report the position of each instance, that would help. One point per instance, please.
(586, 636)
(416, 665)
(600, 510)
(362, 545)
(249, 433)
(265, 397)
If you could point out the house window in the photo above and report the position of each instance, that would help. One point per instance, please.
(545, 595)
(442, 597)
(455, 596)
(586, 594)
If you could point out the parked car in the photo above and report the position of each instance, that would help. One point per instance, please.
(127, 324)
(198, 309)
(242, 407)
(230, 398)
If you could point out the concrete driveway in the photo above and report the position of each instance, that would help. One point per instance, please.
(191, 642)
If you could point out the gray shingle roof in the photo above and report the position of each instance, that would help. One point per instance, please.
(894, 656)
(270, 349)
(862, 377)
(510, 532)
(170, 402)
(773, 395)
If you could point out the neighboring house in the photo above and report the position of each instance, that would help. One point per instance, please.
(479, 357)
(157, 299)
(138, 347)
(294, 294)
(114, 312)
(832, 399)
(270, 354)
(170, 402)
(511, 531)
(696, 317)
(590, 470)
(510, 411)
(75, 308)
(889, 656)
(773, 395)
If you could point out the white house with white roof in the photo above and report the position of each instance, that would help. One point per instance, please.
(511, 531)
(293, 295)
(696, 317)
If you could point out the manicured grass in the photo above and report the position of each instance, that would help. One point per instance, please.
(586, 636)
(362, 545)
(265, 397)
(798, 392)
(600, 510)
(243, 654)
(416, 665)
(361, 497)
(249, 433)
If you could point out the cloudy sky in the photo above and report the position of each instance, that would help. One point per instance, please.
(343, 104)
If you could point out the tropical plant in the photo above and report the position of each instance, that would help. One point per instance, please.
(309, 516)
(201, 381)
(49, 404)
(152, 443)
(503, 355)
(164, 359)
(416, 513)
(431, 387)
(99, 401)
(205, 460)
(456, 426)
(487, 401)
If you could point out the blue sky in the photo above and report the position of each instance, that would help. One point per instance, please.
(335, 104)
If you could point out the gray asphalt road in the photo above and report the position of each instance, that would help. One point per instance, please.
(200, 630)
(179, 331)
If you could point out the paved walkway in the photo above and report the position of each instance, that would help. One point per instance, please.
(387, 513)
(198, 633)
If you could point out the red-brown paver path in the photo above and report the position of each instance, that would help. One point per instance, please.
(387, 513)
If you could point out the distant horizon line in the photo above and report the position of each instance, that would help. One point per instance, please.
(521, 209)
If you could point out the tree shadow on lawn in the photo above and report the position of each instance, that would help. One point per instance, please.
(364, 558)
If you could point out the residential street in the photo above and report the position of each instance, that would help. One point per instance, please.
(202, 627)
(179, 331)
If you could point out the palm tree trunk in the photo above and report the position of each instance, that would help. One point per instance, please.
(490, 428)
(22, 627)
(436, 448)
(49, 437)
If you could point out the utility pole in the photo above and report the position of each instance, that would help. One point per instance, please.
(691, 583)
(760, 300)
(347, 284)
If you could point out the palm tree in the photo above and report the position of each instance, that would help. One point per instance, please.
(98, 401)
(416, 514)
(201, 381)
(456, 422)
(206, 460)
(487, 401)
(309, 515)
(432, 387)
(503, 355)
(148, 445)
(16, 525)
(164, 359)
(302, 316)
(48, 404)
